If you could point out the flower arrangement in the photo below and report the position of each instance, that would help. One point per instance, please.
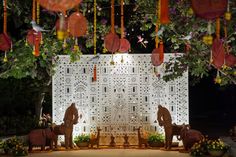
(155, 137)
(216, 145)
(204, 147)
(14, 146)
(82, 138)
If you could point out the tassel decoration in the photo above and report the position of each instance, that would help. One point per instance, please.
(94, 73)
(164, 18)
(161, 51)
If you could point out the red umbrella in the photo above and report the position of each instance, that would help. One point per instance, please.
(209, 9)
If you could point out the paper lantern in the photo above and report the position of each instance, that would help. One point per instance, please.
(209, 9)
(124, 45)
(218, 53)
(59, 5)
(157, 56)
(230, 60)
(5, 42)
(33, 37)
(112, 42)
(77, 24)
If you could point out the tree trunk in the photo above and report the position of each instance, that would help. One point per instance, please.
(38, 104)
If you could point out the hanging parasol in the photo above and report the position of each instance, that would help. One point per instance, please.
(33, 37)
(209, 9)
(77, 24)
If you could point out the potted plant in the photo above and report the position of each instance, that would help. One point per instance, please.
(82, 140)
(216, 147)
(156, 140)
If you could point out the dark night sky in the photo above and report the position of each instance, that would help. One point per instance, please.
(212, 108)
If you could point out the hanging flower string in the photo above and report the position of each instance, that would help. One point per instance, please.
(95, 39)
(112, 16)
(5, 16)
(38, 11)
(122, 18)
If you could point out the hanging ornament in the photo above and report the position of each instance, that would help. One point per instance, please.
(112, 41)
(5, 40)
(77, 24)
(228, 14)
(62, 27)
(124, 43)
(209, 9)
(218, 28)
(34, 38)
(59, 5)
(218, 53)
(208, 39)
(157, 56)
(94, 73)
(218, 79)
(164, 18)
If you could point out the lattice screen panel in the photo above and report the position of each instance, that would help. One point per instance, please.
(125, 95)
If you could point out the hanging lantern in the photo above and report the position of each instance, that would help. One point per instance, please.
(218, 53)
(112, 41)
(164, 18)
(124, 43)
(209, 9)
(77, 24)
(5, 42)
(59, 5)
(158, 55)
(230, 60)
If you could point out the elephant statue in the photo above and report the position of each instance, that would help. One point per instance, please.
(41, 137)
(189, 137)
(57, 130)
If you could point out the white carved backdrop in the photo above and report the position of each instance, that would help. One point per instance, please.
(125, 95)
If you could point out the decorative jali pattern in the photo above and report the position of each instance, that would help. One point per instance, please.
(126, 95)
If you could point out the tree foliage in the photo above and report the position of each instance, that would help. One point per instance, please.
(140, 19)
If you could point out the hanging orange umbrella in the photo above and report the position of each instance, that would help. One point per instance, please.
(209, 9)
(77, 24)
(59, 5)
